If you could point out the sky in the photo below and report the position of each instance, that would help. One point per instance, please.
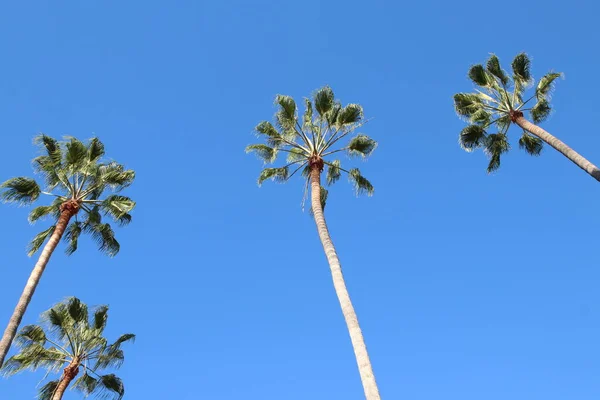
(466, 285)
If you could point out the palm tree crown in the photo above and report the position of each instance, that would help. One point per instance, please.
(311, 140)
(72, 341)
(77, 177)
(500, 103)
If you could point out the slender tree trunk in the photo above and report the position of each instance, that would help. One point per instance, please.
(69, 373)
(358, 343)
(34, 279)
(560, 146)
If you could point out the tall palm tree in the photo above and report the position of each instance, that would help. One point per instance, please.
(500, 103)
(308, 143)
(72, 342)
(76, 177)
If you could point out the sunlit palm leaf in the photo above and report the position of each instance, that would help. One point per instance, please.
(333, 172)
(546, 84)
(472, 137)
(494, 68)
(324, 100)
(541, 111)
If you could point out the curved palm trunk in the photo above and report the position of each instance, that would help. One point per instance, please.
(358, 343)
(69, 373)
(34, 279)
(560, 146)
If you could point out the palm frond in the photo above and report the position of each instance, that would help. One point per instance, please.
(324, 100)
(86, 384)
(29, 335)
(467, 104)
(72, 234)
(116, 176)
(361, 184)
(531, 144)
(351, 114)
(20, 190)
(78, 310)
(95, 150)
(521, 67)
(47, 391)
(361, 145)
(100, 318)
(275, 174)
(480, 76)
(546, 84)
(263, 152)
(110, 386)
(494, 68)
(496, 144)
(333, 172)
(39, 240)
(541, 111)
(104, 237)
(286, 116)
(472, 137)
(32, 357)
(118, 207)
(44, 211)
(273, 137)
(308, 115)
(296, 154)
(52, 148)
(75, 154)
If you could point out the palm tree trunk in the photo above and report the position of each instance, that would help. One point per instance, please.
(358, 343)
(32, 282)
(69, 373)
(560, 146)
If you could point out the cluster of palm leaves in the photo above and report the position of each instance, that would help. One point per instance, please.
(71, 339)
(76, 179)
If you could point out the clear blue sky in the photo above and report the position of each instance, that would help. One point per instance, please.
(467, 286)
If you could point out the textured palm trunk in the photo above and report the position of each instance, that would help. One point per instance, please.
(68, 210)
(358, 342)
(69, 373)
(568, 152)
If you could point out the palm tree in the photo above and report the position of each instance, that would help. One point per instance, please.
(500, 103)
(73, 341)
(309, 142)
(76, 177)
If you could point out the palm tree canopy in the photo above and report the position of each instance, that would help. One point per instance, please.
(76, 176)
(497, 102)
(71, 336)
(311, 140)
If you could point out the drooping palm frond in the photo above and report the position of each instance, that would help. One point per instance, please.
(495, 145)
(73, 339)
(39, 240)
(361, 184)
(20, 190)
(531, 144)
(361, 145)
(500, 104)
(264, 152)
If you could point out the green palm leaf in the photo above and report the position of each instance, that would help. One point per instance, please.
(264, 152)
(494, 68)
(472, 137)
(546, 84)
(275, 174)
(531, 144)
(20, 190)
(521, 67)
(496, 144)
(324, 100)
(72, 234)
(361, 184)
(351, 114)
(333, 172)
(361, 145)
(39, 239)
(541, 111)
